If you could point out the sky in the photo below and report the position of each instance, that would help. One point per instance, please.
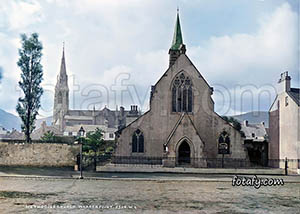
(116, 49)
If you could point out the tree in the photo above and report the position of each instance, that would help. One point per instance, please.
(234, 122)
(48, 137)
(93, 143)
(31, 78)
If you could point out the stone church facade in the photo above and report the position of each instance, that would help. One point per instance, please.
(181, 126)
(69, 121)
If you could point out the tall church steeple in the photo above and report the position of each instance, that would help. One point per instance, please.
(177, 46)
(63, 72)
(61, 96)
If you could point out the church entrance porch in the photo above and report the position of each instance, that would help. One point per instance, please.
(184, 154)
(258, 153)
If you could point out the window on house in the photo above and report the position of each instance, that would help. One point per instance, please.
(111, 135)
(182, 94)
(286, 101)
(253, 135)
(138, 142)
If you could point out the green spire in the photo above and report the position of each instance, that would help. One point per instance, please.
(177, 38)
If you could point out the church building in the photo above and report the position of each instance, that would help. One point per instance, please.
(69, 121)
(181, 127)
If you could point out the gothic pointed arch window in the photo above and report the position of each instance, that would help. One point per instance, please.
(137, 142)
(224, 143)
(182, 94)
(59, 99)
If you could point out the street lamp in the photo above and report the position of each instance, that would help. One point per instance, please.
(81, 134)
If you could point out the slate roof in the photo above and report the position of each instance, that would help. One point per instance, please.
(111, 117)
(88, 128)
(38, 133)
(14, 134)
(295, 95)
(255, 132)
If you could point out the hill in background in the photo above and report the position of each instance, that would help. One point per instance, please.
(10, 121)
(254, 117)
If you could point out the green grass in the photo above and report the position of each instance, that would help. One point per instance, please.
(15, 194)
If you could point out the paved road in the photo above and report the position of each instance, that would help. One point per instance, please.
(70, 173)
(58, 190)
(38, 195)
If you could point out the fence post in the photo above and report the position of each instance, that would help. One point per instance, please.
(286, 166)
(222, 160)
(81, 177)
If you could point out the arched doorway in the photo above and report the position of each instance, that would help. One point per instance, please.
(184, 153)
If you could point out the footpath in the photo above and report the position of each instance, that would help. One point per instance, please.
(187, 174)
(188, 170)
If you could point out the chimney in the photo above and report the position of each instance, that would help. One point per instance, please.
(122, 110)
(133, 109)
(284, 83)
(245, 122)
(44, 125)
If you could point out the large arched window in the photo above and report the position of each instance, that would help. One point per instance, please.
(182, 94)
(138, 142)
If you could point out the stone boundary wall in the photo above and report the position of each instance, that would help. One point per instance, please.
(19, 153)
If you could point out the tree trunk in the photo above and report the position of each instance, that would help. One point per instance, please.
(95, 163)
(27, 127)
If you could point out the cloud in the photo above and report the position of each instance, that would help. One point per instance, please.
(20, 14)
(8, 56)
(107, 40)
(264, 54)
(256, 60)
(1, 70)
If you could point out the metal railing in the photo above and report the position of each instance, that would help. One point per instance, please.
(149, 161)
